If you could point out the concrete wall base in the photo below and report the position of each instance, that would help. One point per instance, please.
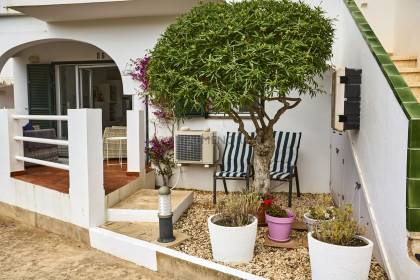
(46, 223)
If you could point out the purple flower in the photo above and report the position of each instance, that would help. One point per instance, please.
(139, 72)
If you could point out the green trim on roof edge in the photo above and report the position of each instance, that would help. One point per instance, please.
(411, 109)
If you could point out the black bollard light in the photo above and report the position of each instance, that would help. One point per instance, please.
(166, 230)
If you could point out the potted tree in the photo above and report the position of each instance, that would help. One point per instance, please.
(233, 229)
(279, 223)
(228, 55)
(337, 251)
(317, 214)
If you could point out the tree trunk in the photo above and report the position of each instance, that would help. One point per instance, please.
(263, 151)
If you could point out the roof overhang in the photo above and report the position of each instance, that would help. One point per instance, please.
(74, 10)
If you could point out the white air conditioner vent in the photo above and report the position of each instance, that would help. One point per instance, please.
(194, 147)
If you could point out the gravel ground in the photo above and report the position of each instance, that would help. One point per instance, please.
(269, 262)
(31, 253)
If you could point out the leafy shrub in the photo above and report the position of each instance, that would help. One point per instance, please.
(277, 211)
(342, 230)
(235, 209)
(321, 212)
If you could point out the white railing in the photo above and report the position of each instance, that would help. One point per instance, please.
(41, 140)
(43, 162)
(41, 117)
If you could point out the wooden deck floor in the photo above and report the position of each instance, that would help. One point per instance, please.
(115, 177)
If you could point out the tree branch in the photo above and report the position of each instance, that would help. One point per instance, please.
(236, 118)
(286, 106)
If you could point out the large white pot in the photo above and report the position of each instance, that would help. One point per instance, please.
(332, 262)
(232, 244)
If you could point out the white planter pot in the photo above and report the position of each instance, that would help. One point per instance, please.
(232, 244)
(310, 223)
(332, 262)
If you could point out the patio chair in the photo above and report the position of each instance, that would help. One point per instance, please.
(283, 163)
(236, 161)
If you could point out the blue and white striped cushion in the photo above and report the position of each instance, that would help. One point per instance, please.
(285, 153)
(236, 156)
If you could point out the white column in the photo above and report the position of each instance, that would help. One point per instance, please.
(20, 88)
(9, 148)
(87, 194)
(136, 155)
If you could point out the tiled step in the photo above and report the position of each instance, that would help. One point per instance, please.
(404, 61)
(415, 88)
(414, 246)
(410, 74)
(143, 205)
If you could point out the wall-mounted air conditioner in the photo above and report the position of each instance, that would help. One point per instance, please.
(195, 147)
(345, 111)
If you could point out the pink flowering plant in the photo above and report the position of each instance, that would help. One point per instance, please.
(139, 71)
(162, 156)
(161, 150)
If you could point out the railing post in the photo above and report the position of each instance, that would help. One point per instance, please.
(136, 157)
(9, 148)
(87, 194)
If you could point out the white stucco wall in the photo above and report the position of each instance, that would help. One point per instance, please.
(378, 153)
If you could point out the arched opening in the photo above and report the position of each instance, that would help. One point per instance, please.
(52, 76)
(66, 74)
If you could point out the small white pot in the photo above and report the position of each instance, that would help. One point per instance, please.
(310, 223)
(332, 262)
(232, 244)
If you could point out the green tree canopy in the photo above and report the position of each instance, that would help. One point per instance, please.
(233, 54)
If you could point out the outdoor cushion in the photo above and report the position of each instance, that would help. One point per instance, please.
(279, 175)
(285, 153)
(236, 156)
(230, 174)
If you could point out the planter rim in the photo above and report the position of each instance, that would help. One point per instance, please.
(306, 215)
(254, 221)
(368, 241)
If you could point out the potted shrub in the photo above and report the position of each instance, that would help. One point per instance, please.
(233, 229)
(279, 223)
(337, 251)
(317, 214)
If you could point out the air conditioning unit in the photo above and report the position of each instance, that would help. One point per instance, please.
(195, 147)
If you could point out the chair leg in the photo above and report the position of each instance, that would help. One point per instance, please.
(290, 191)
(214, 190)
(225, 186)
(297, 181)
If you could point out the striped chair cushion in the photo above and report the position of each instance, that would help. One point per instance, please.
(236, 156)
(285, 153)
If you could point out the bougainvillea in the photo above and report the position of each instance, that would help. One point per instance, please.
(162, 156)
(139, 72)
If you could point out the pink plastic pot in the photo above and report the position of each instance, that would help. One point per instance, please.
(280, 228)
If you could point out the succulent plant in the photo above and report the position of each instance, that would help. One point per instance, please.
(277, 211)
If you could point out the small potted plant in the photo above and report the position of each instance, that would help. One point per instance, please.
(336, 249)
(317, 214)
(233, 229)
(279, 223)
